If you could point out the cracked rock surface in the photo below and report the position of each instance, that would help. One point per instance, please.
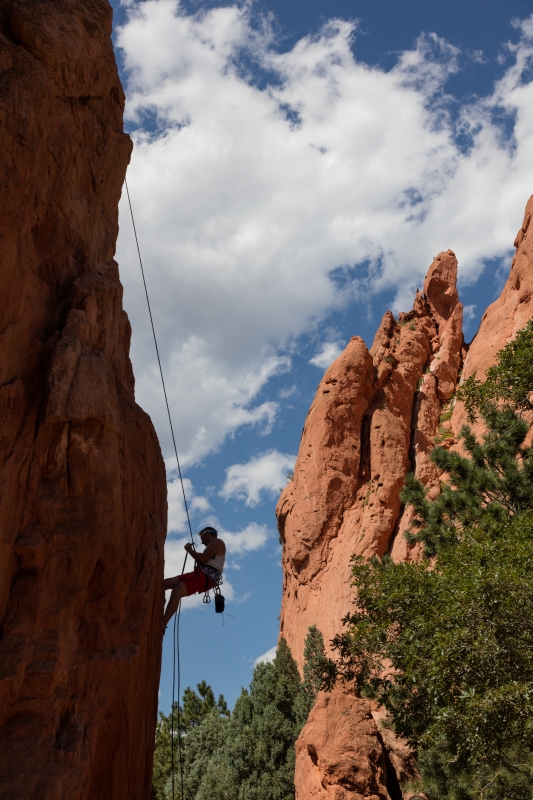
(82, 480)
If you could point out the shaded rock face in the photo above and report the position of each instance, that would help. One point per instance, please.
(82, 481)
(342, 755)
(377, 415)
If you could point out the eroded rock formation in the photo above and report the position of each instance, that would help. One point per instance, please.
(82, 481)
(506, 316)
(342, 755)
(377, 415)
(374, 418)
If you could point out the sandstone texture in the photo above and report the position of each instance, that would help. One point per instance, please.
(342, 755)
(377, 415)
(506, 316)
(374, 418)
(82, 481)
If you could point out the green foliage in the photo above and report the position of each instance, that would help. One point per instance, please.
(249, 754)
(459, 638)
(195, 710)
(444, 777)
(201, 745)
(442, 435)
(496, 480)
(319, 673)
(447, 646)
(509, 381)
(197, 706)
(259, 751)
(162, 756)
(446, 415)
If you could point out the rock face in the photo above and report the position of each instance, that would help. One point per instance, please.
(377, 415)
(507, 315)
(374, 418)
(82, 481)
(342, 755)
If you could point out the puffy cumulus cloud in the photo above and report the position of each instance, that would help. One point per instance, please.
(253, 537)
(267, 657)
(326, 355)
(266, 472)
(177, 517)
(248, 193)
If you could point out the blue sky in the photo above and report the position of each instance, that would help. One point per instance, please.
(296, 168)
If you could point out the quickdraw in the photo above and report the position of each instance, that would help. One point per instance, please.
(219, 598)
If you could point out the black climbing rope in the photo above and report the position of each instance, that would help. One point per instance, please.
(159, 362)
(176, 643)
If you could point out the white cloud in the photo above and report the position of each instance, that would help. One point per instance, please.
(326, 355)
(253, 537)
(288, 391)
(267, 657)
(266, 472)
(247, 196)
(469, 313)
(177, 517)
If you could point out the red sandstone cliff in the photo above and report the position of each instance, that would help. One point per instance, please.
(506, 316)
(377, 415)
(373, 419)
(82, 482)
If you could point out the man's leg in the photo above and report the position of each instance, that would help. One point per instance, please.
(171, 583)
(174, 601)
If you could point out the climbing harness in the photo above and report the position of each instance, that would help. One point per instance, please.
(219, 597)
(176, 645)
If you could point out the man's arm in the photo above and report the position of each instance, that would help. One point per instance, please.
(212, 549)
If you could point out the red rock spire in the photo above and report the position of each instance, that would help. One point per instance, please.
(376, 416)
(82, 481)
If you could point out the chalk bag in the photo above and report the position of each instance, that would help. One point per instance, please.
(219, 601)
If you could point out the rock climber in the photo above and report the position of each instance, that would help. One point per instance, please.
(206, 575)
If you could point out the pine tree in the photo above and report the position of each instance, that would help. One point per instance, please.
(509, 382)
(494, 481)
(195, 709)
(263, 729)
(248, 755)
(458, 630)
(319, 673)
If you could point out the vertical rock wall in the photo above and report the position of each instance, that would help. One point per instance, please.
(377, 415)
(82, 481)
(374, 418)
(506, 316)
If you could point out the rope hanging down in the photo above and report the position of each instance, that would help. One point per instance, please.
(159, 362)
(176, 644)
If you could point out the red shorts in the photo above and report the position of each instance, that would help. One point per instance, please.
(196, 582)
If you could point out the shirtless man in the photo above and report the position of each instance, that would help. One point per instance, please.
(208, 569)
